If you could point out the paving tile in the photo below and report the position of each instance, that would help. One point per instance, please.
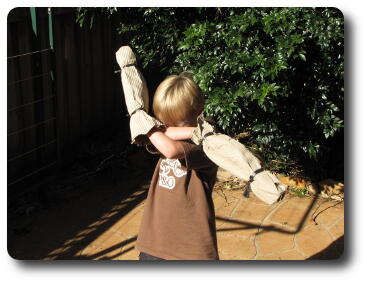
(235, 194)
(289, 255)
(108, 215)
(85, 232)
(329, 212)
(219, 222)
(239, 230)
(107, 246)
(98, 223)
(252, 212)
(141, 206)
(125, 218)
(237, 248)
(131, 227)
(302, 203)
(289, 215)
(245, 220)
(74, 241)
(99, 240)
(337, 230)
(223, 256)
(129, 252)
(56, 253)
(224, 204)
(273, 241)
(312, 240)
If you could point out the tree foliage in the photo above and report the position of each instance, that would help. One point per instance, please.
(276, 73)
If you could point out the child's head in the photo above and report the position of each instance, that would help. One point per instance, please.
(178, 101)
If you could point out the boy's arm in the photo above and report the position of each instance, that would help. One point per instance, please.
(179, 133)
(168, 147)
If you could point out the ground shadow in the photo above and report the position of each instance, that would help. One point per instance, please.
(64, 229)
(102, 255)
(333, 251)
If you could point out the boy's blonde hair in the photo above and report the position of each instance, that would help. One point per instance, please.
(178, 101)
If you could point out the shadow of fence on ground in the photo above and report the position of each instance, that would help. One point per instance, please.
(63, 231)
(73, 249)
(109, 250)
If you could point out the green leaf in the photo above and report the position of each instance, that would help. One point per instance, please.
(302, 56)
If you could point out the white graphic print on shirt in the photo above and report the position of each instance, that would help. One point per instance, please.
(166, 166)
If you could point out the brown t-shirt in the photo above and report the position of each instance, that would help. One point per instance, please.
(179, 219)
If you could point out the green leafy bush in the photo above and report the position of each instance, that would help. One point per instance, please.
(276, 73)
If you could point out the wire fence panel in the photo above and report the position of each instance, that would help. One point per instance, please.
(58, 96)
(31, 113)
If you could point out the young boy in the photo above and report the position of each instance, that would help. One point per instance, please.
(179, 220)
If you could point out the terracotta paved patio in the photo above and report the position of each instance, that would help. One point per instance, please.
(103, 223)
(247, 229)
